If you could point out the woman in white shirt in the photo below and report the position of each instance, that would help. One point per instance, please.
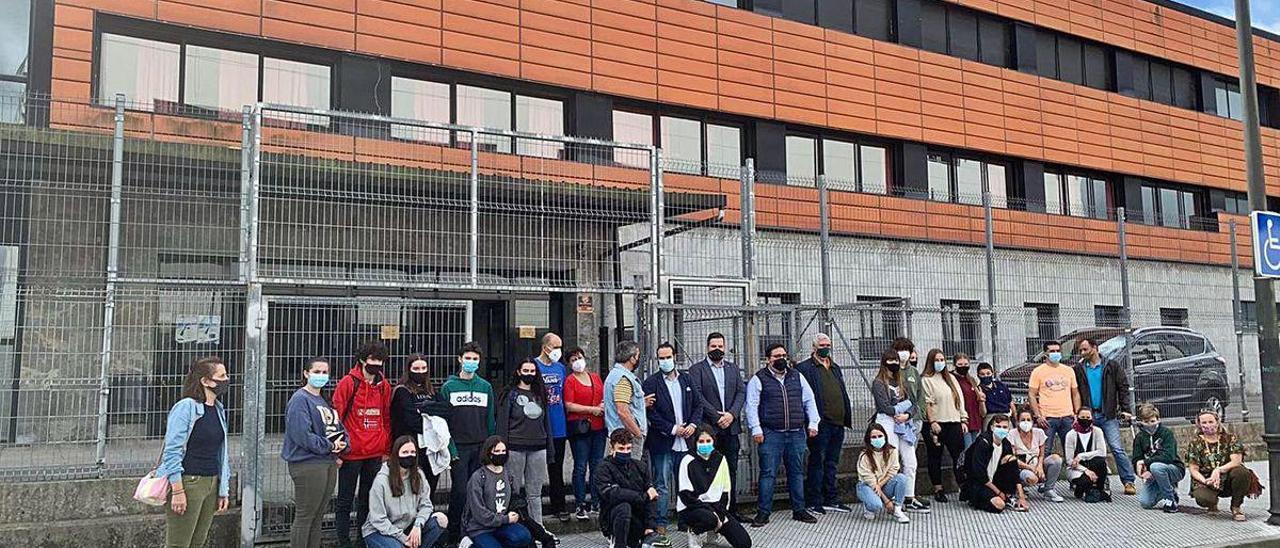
(946, 417)
(1086, 456)
(1034, 467)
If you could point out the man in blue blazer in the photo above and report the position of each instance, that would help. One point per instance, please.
(673, 419)
(720, 383)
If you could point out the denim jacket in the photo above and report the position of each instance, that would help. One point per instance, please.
(182, 418)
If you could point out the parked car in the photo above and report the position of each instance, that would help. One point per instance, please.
(1175, 368)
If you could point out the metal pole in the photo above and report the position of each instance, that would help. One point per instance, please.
(1264, 294)
(246, 168)
(991, 275)
(824, 214)
(1236, 320)
(474, 247)
(1122, 240)
(113, 273)
(659, 295)
(255, 358)
(748, 206)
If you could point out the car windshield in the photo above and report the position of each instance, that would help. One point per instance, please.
(1113, 345)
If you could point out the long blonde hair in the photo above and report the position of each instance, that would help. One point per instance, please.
(946, 375)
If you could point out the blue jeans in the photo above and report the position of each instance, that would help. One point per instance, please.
(970, 437)
(1057, 432)
(824, 458)
(1162, 486)
(588, 450)
(663, 465)
(431, 533)
(1111, 431)
(511, 535)
(895, 489)
(777, 446)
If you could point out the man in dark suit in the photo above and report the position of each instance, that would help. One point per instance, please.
(673, 420)
(720, 383)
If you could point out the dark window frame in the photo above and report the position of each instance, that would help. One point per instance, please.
(702, 117)
(1175, 317)
(953, 158)
(1155, 217)
(1048, 317)
(1091, 209)
(964, 315)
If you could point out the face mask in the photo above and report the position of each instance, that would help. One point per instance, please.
(705, 449)
(1055, 357)
(622, 457)
(408, 462)
(220, 389)
(962, 371)
(914, 361)
(986, 381)
(318, 380)
(498, 459)
(1084, 424)
(893, 367)
(529, 379)
(1025, 426)
(1209, 430)
(716, 355)
(999, 433)
(1150, 428)
(903, 355)
(374, 370)
(939, 366)
(579, 365)
(824, 353)
(877, 443)
(779, 365)
(470, 366)
(554, 355)
(667, 365)
(419, 378)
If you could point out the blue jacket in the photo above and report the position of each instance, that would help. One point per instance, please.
(182, 418)
(662, 416)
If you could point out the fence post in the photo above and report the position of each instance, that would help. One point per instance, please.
(824, 216)
(246, 167)
(1122, 242)
(109, 296)
(474, 243)
(1237, 321)
(255, 358)
(747, 199)
(655, 246)
(989, 221)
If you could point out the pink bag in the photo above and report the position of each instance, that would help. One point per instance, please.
(152, 491)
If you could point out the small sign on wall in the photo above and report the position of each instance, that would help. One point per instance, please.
(198, 329)
(528, 331)
(586, 305)
(390, 332)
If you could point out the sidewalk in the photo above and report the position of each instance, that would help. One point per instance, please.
(1072, 524)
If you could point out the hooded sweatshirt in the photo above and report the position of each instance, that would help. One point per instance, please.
(489, 496)
(365, 409)
(472, 418)
(390, 515)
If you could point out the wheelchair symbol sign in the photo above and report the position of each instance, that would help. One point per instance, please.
(1266, 243)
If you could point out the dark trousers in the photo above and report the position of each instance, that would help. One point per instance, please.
(1006, 480)
(952, 439)
(425, 466)
(555, 471)
(467, 464)
(1098, 465)
(703, 520)
(627, 523)
(730, 445)
(824, 458)
(355, 477)
(1235, 484)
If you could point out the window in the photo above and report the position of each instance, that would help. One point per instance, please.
(420, 100)
(1077, 195)
(220, 79)
(1170, 207)
(873, 19)
(1227, 99)
(1070, 60)
(724, 151)
(968, 181)
(933, 25)
(873, 176)
(880, 320)
(1236, 203)
(1042, 326)
(543, 117)
(487, 108)
(960, 322)
(839, 164)
(298, 84)
(681, 145)
(963, 180)
(1097, 67)
(15, 28)
(632, 128)
(1184, 88)
(962, 33)
(802, 161)
(1174, 317)
(1248, 315)
(1108, 316)
(939, 177)
(993, 41)
(144, 71)
(730, 3)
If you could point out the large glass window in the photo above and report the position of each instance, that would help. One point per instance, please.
(839, 165)
(1053, 199)
(998, 185)
(543, 117)
(1077, 195)
(874, 19)
(874, 175)
(681, 144)
(420, 100)
(939, 177)
(1169, 207)
(145, 71)
(15, 27)
(968, 181)
(724, 151)
(1227, 99)
(802, 161)
(297, 84)
(632, 128)
(485, 108)
(964, 180)
(220, 79)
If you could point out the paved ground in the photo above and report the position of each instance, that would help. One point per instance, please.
(1073, 524)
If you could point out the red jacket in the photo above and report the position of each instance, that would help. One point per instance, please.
(365, 410)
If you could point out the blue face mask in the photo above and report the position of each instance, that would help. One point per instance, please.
(877, 443)
(999, 433)
(622, 457)
(470, 366)
(939, 366)
(705, 449)
(667, 365)
(985, 381)
(318, 380)
(1055, 357)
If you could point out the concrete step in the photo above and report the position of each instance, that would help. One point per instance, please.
(130, 531)
(29, 502)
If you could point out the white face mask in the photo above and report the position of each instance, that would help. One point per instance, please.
(554, 355)
(579, 365)
(1024, 426)
(903, 355)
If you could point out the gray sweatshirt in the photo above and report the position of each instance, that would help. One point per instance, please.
(390, 515)
(488, 501)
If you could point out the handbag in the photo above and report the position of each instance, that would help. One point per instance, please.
(152, 490)
(579, 427)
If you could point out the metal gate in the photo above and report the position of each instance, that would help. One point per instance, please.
(299, 328)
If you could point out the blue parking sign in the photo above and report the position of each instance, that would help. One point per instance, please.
(1266, 243)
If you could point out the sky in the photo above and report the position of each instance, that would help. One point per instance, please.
(1266, 13)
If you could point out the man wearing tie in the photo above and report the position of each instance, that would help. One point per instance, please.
(720, 383)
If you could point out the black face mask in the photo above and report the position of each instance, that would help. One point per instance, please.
(408, 462)
(962, 371)
(780, 365)
(529, 379)
(824, 352)
(498, 459)
(220, 389)
(1085, 423)
(375, 370)
(893, 367)
(419, 378)
(914, 361)
(716, 355)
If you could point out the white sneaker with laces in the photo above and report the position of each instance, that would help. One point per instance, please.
(695, 540)
(901, 517)
(868, 516)
(1054, 496)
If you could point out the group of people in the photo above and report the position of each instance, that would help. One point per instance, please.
(383, 446)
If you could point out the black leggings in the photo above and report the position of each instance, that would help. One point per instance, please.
(1097, 465)
(1006, 480)
(627, 524)
(952, 438)
(702, 520)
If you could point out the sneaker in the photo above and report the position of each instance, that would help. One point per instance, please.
(838, 508)
(1129, 489)
(695, 541)
(662, 541)
(901, 517)
(465, 542)
(582, 514)
(804, 517)
(868, 516)
(817, 510)
(917, 506)
(759, 521)
(940, 496)
(650, 541)
(1053, 495)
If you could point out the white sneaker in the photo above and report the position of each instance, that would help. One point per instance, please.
(901, 517)
(868, 516)
(1054, 496)
(695, 540)
(465, 542)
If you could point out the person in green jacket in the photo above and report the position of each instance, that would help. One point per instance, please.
(909, 380)
(1155, 458)
(471, 422)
